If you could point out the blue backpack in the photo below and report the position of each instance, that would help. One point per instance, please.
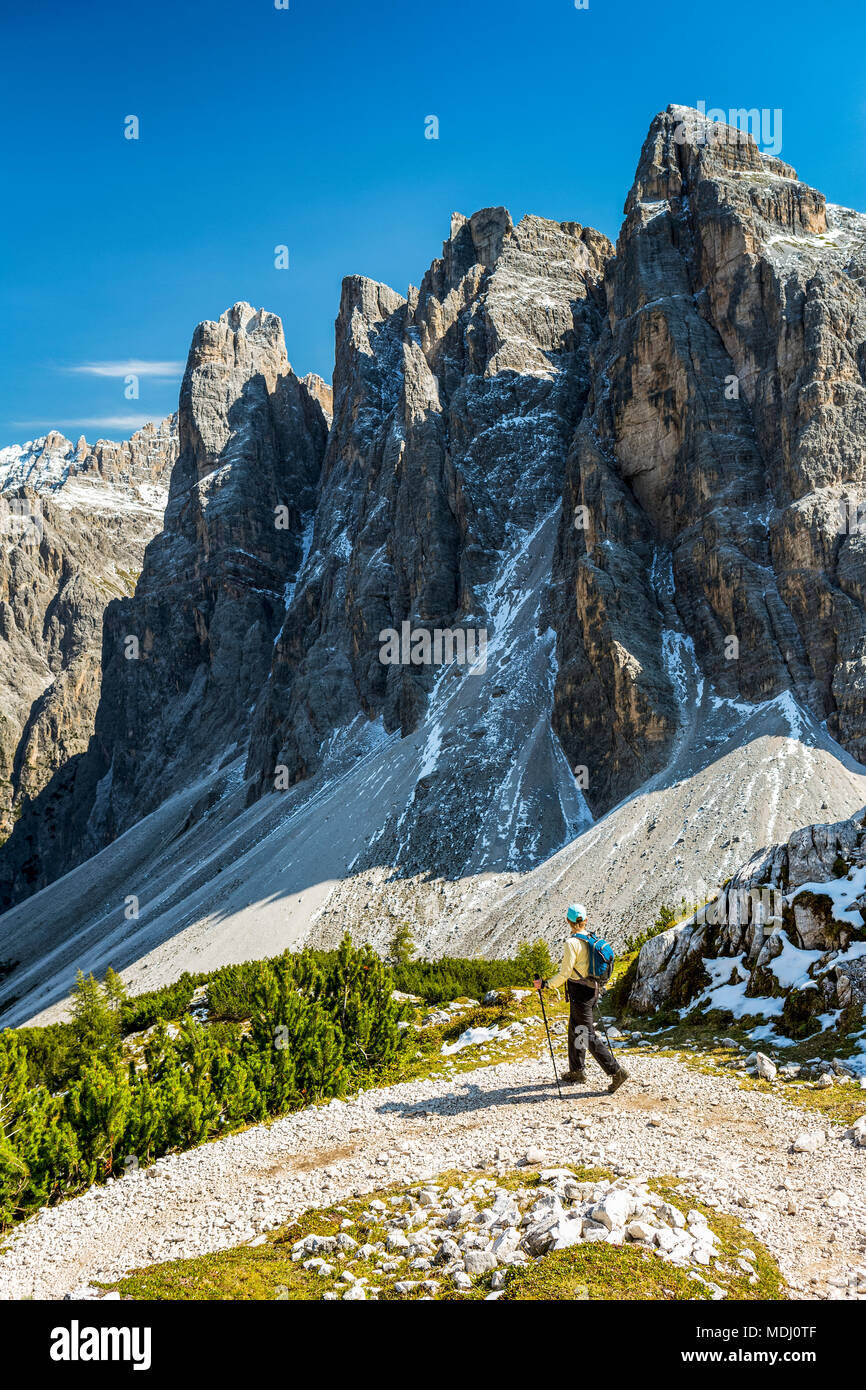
(601, 957)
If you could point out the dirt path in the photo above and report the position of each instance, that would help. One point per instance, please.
(731, 1147)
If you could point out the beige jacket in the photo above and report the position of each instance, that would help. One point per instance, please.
(575, 963)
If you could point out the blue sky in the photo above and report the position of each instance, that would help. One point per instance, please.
(305, 127)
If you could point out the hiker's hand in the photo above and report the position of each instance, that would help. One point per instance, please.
(537, 984)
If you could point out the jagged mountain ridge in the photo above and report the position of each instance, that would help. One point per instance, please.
(184, 657)
(391, 477)
(431, 506)
(454, 409)
(74, 521)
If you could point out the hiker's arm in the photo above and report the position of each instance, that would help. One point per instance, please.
(565, 968)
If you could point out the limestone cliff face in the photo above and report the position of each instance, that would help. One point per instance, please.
(725, 427)
(453, 410)
(639, 473)
(184, 658)
(74, 522)
(212, 592)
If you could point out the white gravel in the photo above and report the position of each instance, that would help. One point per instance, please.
(732, 1148)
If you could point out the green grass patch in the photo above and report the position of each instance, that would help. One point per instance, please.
(597, 1271)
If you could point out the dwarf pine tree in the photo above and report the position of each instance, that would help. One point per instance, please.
(113, 990)
(77, 1103)
(95, 1023)
(532, 961)
(97, 1106)
(402, 948)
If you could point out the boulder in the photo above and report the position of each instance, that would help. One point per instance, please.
(765, 1067)
(671, 1215)
(809, 1142)
(640, 1230)
(857, 1132)
(479, 1261)
(569, 1232)
(614, 1209)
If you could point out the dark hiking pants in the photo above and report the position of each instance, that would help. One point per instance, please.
(581, 1030)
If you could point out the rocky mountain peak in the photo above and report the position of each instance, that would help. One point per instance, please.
(475, 240)
(473, 245)
(321, 392)
(625, 471)
(688, 155)
(243, 318)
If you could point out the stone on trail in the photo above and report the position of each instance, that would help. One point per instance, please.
(614, 1209)
(765, 1067)
(857, 1132)
(449, 1250)
(569, 1232)
(667, 1239)
(508, 1241)
(671, 1215)
(809, 1143)
(837, 1200)
(540, 1236)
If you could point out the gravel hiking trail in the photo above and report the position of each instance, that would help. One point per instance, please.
(730, 1146)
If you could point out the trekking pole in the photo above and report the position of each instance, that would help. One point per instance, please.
(550, 1044)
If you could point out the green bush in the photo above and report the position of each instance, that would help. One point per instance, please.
(456, 977)
(169, 1003)
(77, 1104)
(321, 1023)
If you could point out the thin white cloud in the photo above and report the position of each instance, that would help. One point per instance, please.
(134, 367)
(98, 422)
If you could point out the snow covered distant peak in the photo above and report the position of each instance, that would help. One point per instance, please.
(41, 464)
(131, 475)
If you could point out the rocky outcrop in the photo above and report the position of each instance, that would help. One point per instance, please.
(185, 657)
(786, 937)
(453, 410)
(725, 426)
(74, 522)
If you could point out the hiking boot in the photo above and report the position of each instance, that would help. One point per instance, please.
(574, 1076)
(616, 1080)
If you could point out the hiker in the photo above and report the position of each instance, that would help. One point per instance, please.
(583, 991)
